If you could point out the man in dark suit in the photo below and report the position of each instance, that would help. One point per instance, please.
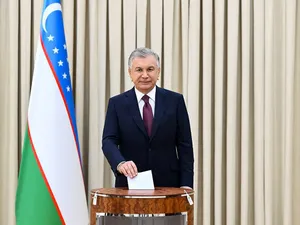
(148, 128)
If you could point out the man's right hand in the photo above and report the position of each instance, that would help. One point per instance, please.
(128, 169)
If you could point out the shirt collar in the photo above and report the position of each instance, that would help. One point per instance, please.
(139, 94)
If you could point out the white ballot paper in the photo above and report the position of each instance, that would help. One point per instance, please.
(143, 180)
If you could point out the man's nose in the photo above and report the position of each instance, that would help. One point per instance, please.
(144, 74)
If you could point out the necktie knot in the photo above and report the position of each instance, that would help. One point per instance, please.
(145, 98)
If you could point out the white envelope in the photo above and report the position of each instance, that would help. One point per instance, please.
(143, 180)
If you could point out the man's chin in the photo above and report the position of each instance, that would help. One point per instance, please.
(145, 88)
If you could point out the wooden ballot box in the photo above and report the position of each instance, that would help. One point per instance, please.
(162, 206)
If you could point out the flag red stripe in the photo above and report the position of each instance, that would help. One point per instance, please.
(44, 177)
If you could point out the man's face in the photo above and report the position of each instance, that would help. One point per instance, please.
(144, 73)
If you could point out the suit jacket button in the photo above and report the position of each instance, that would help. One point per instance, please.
(149, 149)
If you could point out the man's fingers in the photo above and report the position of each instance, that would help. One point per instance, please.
(134, 168)
(123, 170)
(129, 169)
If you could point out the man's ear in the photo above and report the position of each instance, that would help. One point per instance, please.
(129, 72)
(158, 73)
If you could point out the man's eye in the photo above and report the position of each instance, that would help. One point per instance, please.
(150, 69)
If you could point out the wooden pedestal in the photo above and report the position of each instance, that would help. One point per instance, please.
(121, 201)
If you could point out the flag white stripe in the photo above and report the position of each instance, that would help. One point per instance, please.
(54, 142)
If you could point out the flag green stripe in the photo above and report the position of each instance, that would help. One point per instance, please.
(34, 205)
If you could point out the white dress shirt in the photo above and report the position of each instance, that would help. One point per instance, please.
(141, 103)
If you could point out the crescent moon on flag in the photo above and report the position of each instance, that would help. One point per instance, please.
(49, 9)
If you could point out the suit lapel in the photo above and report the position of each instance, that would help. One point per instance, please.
(159, 110)
(134, 111)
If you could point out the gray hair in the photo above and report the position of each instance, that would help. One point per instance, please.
(142, 53)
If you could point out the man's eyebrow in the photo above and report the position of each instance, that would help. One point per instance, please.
(139, 67)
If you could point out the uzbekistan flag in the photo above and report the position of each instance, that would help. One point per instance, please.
(51, 188)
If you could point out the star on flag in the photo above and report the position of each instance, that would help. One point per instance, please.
(55, 50)
(50, 38)
(55, 47)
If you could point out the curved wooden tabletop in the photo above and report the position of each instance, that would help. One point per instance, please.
(159, 191)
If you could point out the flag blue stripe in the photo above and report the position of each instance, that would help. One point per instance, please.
(53, 39)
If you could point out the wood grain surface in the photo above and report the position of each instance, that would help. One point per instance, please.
(124, 201)
(159, 191)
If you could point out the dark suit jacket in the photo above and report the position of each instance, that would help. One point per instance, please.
(168, 152)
